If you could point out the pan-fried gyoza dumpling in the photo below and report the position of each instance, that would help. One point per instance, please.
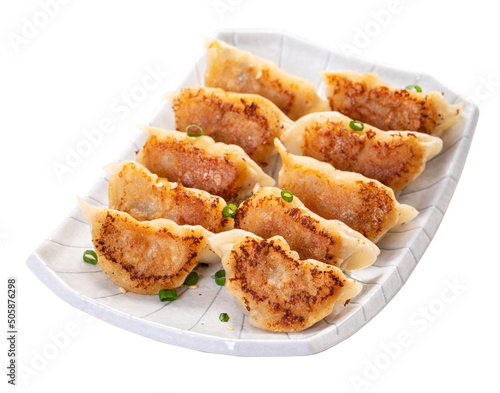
(267, 214)
(234, 69)
(392, 157)
(366, 98)
(145, 196)
(247, 120)
(144, 256)
(200, 162)
(278, 291)
(364, 204)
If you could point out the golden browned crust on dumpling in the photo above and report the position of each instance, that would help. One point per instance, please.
(362, 205)
(366, 98)
(394, 158)
(143, 257)
(145, 196)
(278, 291)
(233, 69)
(247, 120)
(220, 169)
(267, 214)
(366, 205)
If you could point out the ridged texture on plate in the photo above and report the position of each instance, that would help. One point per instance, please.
(57, 261)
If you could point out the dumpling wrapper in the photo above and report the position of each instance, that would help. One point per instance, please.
(364, 204)
(278, 291)
(145, 196)
(144, 257)
(234, 69)
(395, 158)
(267, 214)
(247, 120)
(366, 98)
(200, 162)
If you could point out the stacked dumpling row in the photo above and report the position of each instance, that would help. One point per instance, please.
(206, 192)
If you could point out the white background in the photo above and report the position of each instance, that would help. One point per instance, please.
(67, 76)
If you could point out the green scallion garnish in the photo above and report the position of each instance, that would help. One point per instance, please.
(220, 277)
(196, 133)
(90, 256)
(167, 295)
(417, 88)
(229, 210)
(191, 279)
(287, 195)
(223, 317)
(356, 125)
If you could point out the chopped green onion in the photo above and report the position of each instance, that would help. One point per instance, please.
(191, 279)
(220, 277)
(90, 256)
(287, 195)
(196, 133)
(168, 295)
(229, 210)
(223, 317)
(417, 88)
(356, 125)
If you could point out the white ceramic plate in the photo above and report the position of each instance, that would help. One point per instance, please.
(192, 320)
